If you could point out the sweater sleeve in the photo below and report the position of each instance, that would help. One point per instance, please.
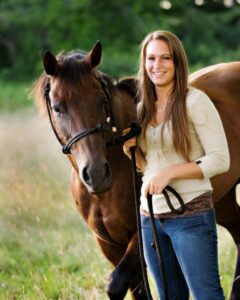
(210, 131)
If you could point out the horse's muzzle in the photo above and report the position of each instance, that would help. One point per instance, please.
(97, 178)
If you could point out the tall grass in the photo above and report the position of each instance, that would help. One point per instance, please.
(46, 251)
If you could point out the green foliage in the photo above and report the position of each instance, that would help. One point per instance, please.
(14, 96)
(30, 27)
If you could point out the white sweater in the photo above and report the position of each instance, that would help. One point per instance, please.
(209, 146)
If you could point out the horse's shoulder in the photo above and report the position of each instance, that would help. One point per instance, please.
(128, 85)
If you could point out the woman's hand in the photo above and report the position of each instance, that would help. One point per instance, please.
(157, 183)
(129, 143)
(160, 180)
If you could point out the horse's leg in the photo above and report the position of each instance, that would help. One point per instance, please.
(127, 273)
(228, 215)
(130, 266)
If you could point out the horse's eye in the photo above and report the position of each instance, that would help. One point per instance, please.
(56, 108)
(59, 110)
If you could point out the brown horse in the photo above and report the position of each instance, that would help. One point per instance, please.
(84, 104)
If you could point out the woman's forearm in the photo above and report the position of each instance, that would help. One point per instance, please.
(185, 171)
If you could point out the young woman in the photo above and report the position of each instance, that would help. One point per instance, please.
(183, 145)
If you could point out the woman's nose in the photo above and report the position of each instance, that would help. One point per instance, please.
(158, 62)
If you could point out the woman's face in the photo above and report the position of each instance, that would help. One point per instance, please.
(159, 64)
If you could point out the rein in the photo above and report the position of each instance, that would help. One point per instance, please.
(100, 127)
(133, 132)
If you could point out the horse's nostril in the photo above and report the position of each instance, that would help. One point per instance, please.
(97, 177)
(85, 174)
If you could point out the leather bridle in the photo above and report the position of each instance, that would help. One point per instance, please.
(100, 127)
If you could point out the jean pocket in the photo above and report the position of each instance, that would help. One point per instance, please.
(193, 223)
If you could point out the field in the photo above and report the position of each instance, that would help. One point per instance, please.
(46, 250)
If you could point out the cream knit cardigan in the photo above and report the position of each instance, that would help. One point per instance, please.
(209, 146)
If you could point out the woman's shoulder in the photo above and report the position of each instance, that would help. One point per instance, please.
(197, 98)
(199, 106)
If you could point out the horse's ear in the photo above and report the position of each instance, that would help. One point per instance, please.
(50, 63)
(94, 56)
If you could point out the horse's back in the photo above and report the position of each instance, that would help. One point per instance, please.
(221, 82)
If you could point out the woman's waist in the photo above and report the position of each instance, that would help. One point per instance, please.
(199, 203)
(160, 204)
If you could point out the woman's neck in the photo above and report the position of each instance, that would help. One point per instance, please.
(161, 103)
(163, 93)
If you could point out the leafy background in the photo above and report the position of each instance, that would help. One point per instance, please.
(210, 33)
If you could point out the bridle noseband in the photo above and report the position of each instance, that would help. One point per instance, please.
(100, 127)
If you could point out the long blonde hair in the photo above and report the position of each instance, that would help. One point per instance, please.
(176, 110)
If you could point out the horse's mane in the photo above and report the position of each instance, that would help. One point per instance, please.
(37, 92)
(130, 86)
(70, 72)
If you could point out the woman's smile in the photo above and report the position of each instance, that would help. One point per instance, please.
(159, 64)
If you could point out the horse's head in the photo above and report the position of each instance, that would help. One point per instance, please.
(79, 108)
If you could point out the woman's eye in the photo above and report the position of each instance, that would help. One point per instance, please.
(166, 58)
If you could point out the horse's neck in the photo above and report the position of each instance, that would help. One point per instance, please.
(124, 110)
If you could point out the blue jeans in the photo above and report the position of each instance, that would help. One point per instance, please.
(189, 250)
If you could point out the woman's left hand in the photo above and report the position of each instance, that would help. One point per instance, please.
(157, 183)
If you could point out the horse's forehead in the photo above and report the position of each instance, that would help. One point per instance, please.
(76, 56)
(84, 84)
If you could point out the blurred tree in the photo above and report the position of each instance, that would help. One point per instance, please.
(210, 33)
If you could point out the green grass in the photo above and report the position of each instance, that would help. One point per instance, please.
(48, 258)
(46, 250)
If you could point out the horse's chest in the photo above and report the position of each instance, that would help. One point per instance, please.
(108, 227)
(101, 216)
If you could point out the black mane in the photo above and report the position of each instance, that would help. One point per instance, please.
(130, 86)
(73, 67)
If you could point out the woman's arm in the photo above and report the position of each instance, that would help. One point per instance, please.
(160, 180)
(210, 131)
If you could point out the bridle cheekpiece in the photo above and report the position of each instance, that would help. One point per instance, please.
(100, 127)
